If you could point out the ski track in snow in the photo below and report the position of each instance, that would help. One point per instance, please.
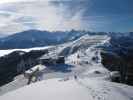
(73, 89)
(96, 95)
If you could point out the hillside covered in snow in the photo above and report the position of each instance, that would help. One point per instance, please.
(66, 50)
(38, 38)
(83, 74)
(72, 89)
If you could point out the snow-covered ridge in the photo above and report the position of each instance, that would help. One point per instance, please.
(79, 53)
(72, 89)
(82, 43)
(85, 39)
(92, 82)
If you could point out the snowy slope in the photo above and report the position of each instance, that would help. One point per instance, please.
(78, 54)
(82, 43)
(93, 81)
(72, 89)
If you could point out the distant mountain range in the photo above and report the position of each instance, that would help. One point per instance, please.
(78, 47)
(37, 38)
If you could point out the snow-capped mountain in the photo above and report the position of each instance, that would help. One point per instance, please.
(85, 60)
(31, 38)
(77, 52)
(37, 38)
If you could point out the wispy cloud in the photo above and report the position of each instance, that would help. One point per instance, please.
(40, 15)
(62, 15)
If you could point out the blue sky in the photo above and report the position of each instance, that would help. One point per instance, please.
(105, 15)
(92, 15)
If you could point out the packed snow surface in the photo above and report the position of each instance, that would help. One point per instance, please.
(72, 89)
